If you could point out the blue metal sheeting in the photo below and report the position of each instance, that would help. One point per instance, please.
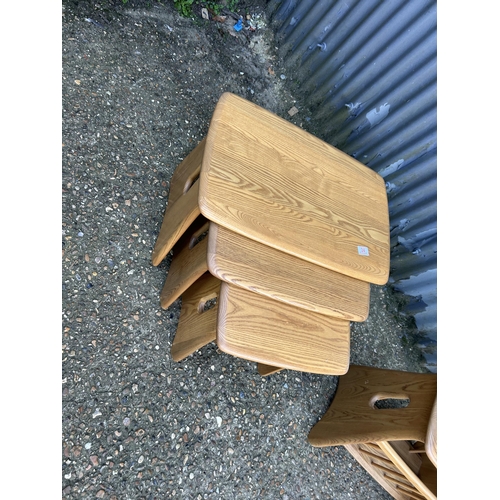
(367, 70)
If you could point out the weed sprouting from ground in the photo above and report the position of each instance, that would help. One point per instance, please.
(185, 7)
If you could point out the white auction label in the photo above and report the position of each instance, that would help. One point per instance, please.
(363, 250)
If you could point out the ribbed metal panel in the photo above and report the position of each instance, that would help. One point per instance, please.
(367, 71)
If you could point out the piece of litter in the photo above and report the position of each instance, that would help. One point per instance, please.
(251, 25)
(238, 26)
(293, 111)
(283, 77)
(204, 13)
(219, 421)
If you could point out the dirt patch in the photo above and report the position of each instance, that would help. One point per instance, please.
(205, 57)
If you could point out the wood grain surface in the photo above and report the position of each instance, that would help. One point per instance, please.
(182, 208)
(265, 370)
(262, 269)
(269, 180)
(186, 267)
(186, 173)
(196, 327)
(189, 262)
(382, 468)
(376, 463)
(431, 446)
(256, 328)
(398, 461)
(353, 418)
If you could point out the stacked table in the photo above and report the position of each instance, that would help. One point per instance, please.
(285, 231)
(395, 444)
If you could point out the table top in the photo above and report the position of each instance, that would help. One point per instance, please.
(267, 179)
(253, 327)
(280, 276)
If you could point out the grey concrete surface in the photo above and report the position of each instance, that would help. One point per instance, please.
(139, 85)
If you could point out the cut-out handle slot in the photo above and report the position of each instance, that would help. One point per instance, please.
(191, 180)
(207, 303)
(199, 235)
(390, 403)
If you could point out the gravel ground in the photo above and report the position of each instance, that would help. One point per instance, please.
(139, 85)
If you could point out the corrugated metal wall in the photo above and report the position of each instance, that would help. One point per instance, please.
(367, 71)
